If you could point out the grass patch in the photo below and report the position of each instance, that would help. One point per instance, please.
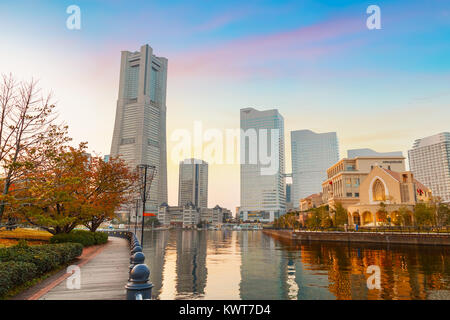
(26, 234)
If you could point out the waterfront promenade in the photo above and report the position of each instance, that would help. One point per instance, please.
(104, 274)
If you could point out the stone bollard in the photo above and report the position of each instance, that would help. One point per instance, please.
(135, 259)
(136, 249)
(138, 288)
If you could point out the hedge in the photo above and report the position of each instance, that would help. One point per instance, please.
(15, 273)
(23, 263)
(86, 238)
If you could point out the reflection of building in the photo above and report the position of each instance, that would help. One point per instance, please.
(429, 160)
(193, 183)
(155, 252)
(313, 201)
(260, 268)
(312, 154)
(395, 190)
(262, 171)
(191, 264)
(139, 135)
(345, 177)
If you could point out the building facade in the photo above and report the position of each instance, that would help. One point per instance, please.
(312, 154)
(345, 177)
(193, 183)
(312, 201)
(262, 165)
(429, 160)
(139, 135)
(188, 215)
(353, 153)
(384, 194)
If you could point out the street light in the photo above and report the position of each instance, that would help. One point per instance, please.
(136, 215)
(146, 174)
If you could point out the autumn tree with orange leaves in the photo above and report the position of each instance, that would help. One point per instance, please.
(71, 188)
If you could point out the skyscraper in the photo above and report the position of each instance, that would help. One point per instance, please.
(262, 165)
(193, 183)
(429, 160)
(140, 127)
(312, 154)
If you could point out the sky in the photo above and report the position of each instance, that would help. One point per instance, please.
(315, 61)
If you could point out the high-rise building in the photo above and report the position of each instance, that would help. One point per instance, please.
(140, 127)
(262, 165)
(353, 153)
(289, 204)
(429, 160)
(312, 154)
(193, 183)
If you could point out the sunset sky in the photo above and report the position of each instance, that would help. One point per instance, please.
(315, 61)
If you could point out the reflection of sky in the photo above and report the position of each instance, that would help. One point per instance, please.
(308, 58)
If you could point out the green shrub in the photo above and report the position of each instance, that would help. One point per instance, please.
(86, 238)
(15, 273)
(22, 263)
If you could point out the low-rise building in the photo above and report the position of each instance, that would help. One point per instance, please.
(382, 193)
(345, 177)
(189, 215)
(310, 202)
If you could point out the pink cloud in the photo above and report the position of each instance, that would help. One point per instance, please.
(232, 58)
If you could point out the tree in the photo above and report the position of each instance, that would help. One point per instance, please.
(340, 215)
(108, 186)
(382, 213)
(443, 214)
(315, 218)
(423, 214)
(53, 190)
(70, 188)
(26, 125)
(402, 216)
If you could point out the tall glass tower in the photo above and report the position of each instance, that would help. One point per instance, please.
(193, 183)
(429, 160)
(140, 127)
(262, 165)
(312, 154)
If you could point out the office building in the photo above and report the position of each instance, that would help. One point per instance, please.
(429, 160)
(193, 183)
(262, 165)
(312, 154)
(140, 126)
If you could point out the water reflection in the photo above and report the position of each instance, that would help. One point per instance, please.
(250, 265)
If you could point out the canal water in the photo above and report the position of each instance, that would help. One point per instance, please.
(247, 265)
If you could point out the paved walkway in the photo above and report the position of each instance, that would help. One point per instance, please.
(104, 275)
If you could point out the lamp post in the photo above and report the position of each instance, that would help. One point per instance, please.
(136, 215)
(146, 173)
